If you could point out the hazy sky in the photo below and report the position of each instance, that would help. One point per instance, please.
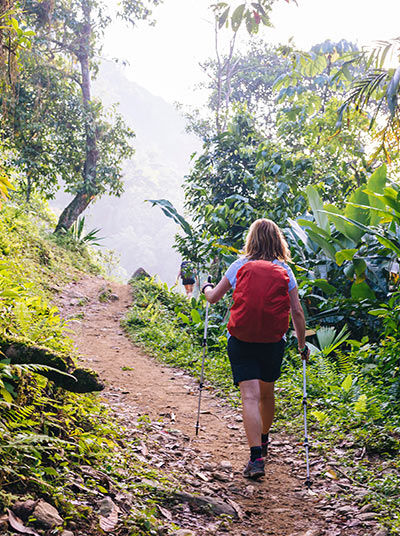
(164, 59)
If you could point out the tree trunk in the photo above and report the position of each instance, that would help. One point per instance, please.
(72, 212)
(89, 188)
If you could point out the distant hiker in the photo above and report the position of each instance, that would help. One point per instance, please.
(265, 293)
(187, 273)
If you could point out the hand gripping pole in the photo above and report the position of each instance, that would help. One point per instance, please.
(202, 368)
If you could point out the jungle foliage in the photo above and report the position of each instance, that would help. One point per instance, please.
(314, 167)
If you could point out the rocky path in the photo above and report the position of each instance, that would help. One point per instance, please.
(210, 464)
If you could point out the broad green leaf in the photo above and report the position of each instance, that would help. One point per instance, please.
(195, 316)
(184, 318)
(223, 18)
(362, 291)
(324, 286)
(347, 383)
(377, 181)
(389, 244)
(237, 17)
(356, 224)
(349, 271)
(314, 227)
(376, 184)
(378, 312)
(170, 211)
(361, 405)
(335, 215)
(359, 266)
(298, 231)
(345, 255)
(14, 24)
(326, 246)
(358, 214)
(316, 206)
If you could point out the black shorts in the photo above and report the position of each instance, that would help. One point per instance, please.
(255, 360)
(189, 281)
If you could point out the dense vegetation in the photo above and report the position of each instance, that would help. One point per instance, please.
(354, 405)
(316, 150)
(53, 441)
(311, 141)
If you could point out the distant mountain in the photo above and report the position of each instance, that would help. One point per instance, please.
(140, 234)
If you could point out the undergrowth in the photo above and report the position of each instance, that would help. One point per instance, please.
(354, 414)
(55, 445)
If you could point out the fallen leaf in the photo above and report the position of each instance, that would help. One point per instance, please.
(331, 474)
(202, 476)
(18, 525)
(164, 512)
(237, 508)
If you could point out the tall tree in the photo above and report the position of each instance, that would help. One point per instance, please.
(73, 29)
(223, 69)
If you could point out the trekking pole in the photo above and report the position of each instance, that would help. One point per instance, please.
(202, 368)
(308, 481)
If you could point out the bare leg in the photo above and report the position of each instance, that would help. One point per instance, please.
(250, 391)
(189, 290)
(267, 404)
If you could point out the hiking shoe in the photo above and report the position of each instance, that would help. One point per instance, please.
(254, 470)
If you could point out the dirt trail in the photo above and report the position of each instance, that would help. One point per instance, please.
(279, 505)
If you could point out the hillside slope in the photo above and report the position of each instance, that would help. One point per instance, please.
(140, 234)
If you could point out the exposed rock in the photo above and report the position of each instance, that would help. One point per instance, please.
(82, 380)
(24, 509)
(367, 516)
(222, 476)
(367, 508)
(216, 506)
(184, 532)
(209, 466)
(140, 273)
(67, 533)
(381, 532)
(46, 515)
(113, 297)
(225, 465)
(345, 509)
(106, 506)
(313, 532)
(250, 490)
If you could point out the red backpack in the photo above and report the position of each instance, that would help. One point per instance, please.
(261, 303)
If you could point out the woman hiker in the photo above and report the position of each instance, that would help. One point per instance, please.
(265, 294)
(187, 273)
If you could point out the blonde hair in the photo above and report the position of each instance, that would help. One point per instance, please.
(265, 241)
